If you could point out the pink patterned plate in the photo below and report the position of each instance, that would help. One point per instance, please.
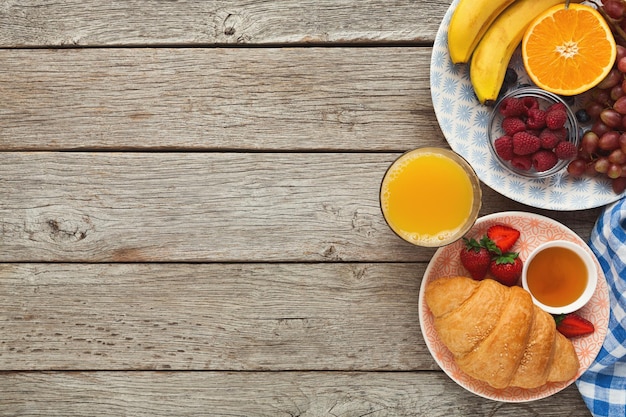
(535, 230)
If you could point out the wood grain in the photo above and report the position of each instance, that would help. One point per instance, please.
(74, 23)
(211, 316)
(205, 207)
(216, 99)
(264, 394)
(189, 220)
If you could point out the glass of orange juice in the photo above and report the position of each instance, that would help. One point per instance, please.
(430, 196)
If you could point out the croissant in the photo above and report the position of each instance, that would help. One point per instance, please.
(497, 335)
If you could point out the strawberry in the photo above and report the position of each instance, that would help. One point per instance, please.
(503, 236)
(475, 257)
(506, 268)
(572, 325)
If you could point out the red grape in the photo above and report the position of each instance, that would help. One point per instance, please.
(577, 167)
(600, 128)
(611, 118)
(619, 185)
(614, 171)
(620, 105)
(593, 109)
(591, 169)
(617, 91)
(613, 78)
(590, 142)
(602, 96)
(621, 52)
(617, 157)
(609, 141)
(601, 165)
(613, 8)
(621, 64)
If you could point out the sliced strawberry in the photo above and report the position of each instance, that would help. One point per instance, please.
(475, 258)
(503, 236)
(506, 268)
(572, 325)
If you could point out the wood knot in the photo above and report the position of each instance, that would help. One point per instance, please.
(73, 230)
(230, 24)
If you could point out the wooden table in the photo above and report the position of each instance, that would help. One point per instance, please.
(189, 211)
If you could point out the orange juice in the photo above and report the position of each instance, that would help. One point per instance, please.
(556, 276)
(430, 196)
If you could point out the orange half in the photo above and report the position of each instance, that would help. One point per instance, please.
(568, 51)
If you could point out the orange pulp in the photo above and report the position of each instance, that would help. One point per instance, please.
(427, 198)
(556, 276)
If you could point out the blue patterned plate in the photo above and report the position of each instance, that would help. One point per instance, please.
(464, 121)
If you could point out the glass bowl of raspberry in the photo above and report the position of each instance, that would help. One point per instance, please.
(533, 133)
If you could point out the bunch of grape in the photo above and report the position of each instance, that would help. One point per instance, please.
(615, 10)
(603, 145)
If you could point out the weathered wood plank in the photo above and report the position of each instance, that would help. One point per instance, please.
(275, 394)
(211, 316)
(216, 99)
(205, 207)
(197, 22)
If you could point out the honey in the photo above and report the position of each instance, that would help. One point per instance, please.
(557, 276)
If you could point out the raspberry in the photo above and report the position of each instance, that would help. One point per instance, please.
(524, 143)
(543, 160)
(512, 107)
(534, 132)
(530, 103)
(548, 139)
(565, 150)
(555, 119)
(536, 119)
(504, 147)
(522, 162)
(512, 125)
(557, 106)
(560, 133)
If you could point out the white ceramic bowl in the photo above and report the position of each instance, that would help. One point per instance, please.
(589, 265)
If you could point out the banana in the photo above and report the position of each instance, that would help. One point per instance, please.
(469, 21)
(492, 54)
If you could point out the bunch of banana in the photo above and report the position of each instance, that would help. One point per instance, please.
(470, 20)
(491, 56)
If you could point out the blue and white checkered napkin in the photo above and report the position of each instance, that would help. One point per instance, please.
(603, 385)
